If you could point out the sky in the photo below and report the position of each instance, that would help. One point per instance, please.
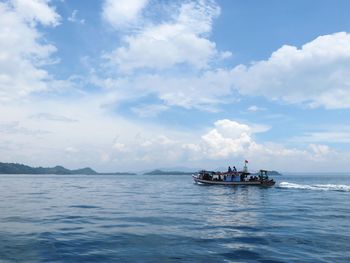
(131, 85)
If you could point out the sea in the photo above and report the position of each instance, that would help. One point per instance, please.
(168, 218)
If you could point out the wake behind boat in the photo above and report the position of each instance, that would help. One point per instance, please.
(233, 177)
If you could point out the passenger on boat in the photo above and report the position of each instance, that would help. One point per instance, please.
(242, 177)
(229, 169)
(234, 169)
(206, 176)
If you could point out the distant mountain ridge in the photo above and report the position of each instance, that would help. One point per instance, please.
(270, 173)
(161, 172)
(16, 168)
(273, 173)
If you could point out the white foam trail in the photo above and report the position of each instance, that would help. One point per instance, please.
(322, 187)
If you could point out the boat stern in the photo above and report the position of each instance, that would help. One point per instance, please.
(268, 183)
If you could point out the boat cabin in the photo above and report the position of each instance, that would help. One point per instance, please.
(233, 177)
(263, 175)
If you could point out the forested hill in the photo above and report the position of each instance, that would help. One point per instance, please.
(16, 168)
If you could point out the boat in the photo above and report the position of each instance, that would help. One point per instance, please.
(233, 177)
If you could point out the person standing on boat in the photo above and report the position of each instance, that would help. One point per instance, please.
(234, 169)
(229, 169)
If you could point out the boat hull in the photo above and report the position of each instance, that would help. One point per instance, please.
(258, 183)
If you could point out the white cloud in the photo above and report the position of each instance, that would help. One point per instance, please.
(23, 51)
(123, 13)
(255, 108)
(230, 141)
(203, 91)
(74, 18)
(228, 138)
(111, 143)
(259, 128)
(36, 11)
(317, 74)
(180, 40)
(139, 145)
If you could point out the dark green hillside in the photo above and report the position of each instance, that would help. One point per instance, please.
(16, 168)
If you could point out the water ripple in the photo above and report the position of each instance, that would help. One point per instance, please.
(170, 219)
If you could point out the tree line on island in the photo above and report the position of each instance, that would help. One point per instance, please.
(16, 168)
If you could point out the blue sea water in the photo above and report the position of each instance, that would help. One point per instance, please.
(52, 218)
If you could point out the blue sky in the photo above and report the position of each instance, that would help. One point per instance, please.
(141, 84)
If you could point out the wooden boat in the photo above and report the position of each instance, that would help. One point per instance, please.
(233, 178)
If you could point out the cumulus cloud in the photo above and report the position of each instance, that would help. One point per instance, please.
(317, 74)
(203, 91)
(122, 13)
(228, 138)
(94, 136)
(35, 11)
(91, 141)
(182, 39)
(23, 50)
(151, 60)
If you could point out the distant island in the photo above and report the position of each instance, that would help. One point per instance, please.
(269, 173)
(273, 173)
(160, 172)
(16, 168)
